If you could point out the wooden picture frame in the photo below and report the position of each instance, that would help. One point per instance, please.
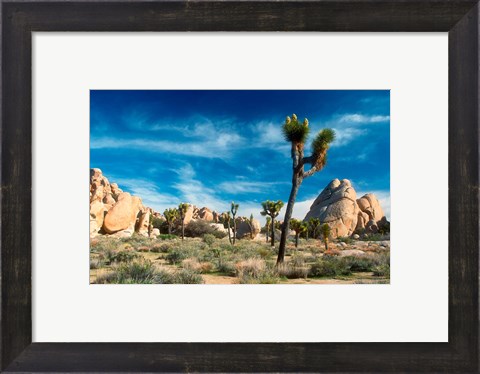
(460, 18)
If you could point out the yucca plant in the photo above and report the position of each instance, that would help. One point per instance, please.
(296, 133)
(226, 218)
(233, 210)
(299, 227)
(313, 223)
(250, 225)
(267, 227)
(171, 215)
(182, 210)
(272, 209)
(325, 231)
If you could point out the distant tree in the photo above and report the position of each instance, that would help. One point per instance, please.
(233, 210)
(250, 225)
(299, 227)
(267, 227)
(296, 133)
(313, 223)
(182, 210)
(171, 216)
(272, 209)
(150, 224)
(325, 231)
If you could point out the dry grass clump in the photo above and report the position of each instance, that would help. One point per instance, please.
(196, 266)
(252, 267)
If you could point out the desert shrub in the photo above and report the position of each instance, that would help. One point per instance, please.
(96, 263)
(267, 275)
(187, 276)
(264, 252)
(106, 278)
(176, 256)
(197, 229)
(226, 267)
(361, 263)
(252, 267)
(136, 272)
(372, 237)
(137, 240)
(122, 256)
(329, 267)
(103, 245)
(161, 248)
(382, 270)
(209, 239)
(290, 271)
(196, 266)
(297, 260)
(143, 248)
(157, 223)
(167, 237)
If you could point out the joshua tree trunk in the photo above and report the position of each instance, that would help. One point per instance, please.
(296, 239)
(169, 229)
(325, 240)
(272, 239)
(229, 236)
(286, 221)
(266, 233)
(234, 230)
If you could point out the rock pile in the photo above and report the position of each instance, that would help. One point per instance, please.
(338, 206)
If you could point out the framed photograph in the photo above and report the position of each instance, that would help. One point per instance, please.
(302, 201)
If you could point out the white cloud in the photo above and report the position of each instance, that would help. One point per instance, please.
(344, 136)
(247, 187)
(361, 118)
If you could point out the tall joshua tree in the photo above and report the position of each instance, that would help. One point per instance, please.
(234, 209)
(267, 227)
(272, 209)
(182, 210)
(314, 223)
(296, 133)
(325, 231)
(250, 225)
(299, 227)
(171, 215)
(226, 217)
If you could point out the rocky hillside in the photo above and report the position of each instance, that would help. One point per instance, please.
(338, 206)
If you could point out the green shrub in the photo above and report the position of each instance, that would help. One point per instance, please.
(137, 240)
(345, 239)
(167, 237)
(122, 256)
(381, 271)
(329, 267)
(226, 268)
(209, 239)
(96, 263)
(291, 271)
(361, 263)
(187, 276)
(161, 248)
(176, 256)
(264, 253)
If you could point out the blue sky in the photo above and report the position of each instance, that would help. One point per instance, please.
(208, 148)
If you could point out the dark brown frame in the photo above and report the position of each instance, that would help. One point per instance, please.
(460, 18)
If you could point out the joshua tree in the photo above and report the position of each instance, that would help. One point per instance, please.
(226, 217)
(325, 230)
(234, 209)
(182, 210)
(171, 215)
(296, 133)
(150, 224)
(299, 227)
(314, 223)
(272, 209)
(267, 227)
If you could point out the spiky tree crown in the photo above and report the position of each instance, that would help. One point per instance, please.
(325, 229)
(322, 142)
(314, 222)
(295, 131)
(271, 208)
(297, 225)
(234, 208)
(170, 214)
(182, 208)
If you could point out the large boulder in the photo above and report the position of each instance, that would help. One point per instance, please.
(247, 229)
(143, 223)
(123, 215)
(97, 213)
(205, 214)
(337, 206)
(370, 205)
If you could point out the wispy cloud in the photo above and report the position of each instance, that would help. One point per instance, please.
(362, 118)
(247, 187)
